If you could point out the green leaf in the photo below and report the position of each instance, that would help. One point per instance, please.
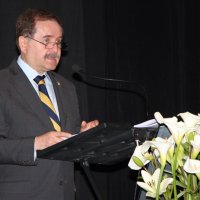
(178, 183)
(181, 194)
(196, 197)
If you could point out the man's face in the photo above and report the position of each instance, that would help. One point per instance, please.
(39, 57)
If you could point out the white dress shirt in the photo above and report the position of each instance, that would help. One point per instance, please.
(31, 74)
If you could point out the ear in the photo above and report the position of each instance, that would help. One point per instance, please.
(22, 44)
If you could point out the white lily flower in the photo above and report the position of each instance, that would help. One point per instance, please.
(196, 146)
(169, 141)
(161, 146)
(179, 151)
(177, 130)
(190, 119)
(161, 120)
(138, 154)
(151, 181)
(192, 166)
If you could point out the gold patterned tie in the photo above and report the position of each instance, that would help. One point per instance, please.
(46, 101)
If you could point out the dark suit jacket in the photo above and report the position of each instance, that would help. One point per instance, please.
(22, 117)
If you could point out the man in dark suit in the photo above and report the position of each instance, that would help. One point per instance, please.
(25, 126)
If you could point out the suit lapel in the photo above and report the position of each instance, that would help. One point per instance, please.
(28, 95)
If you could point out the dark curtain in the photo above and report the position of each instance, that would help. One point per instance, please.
(154, 44)
(151, 44)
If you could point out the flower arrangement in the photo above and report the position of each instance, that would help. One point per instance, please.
(175, 161)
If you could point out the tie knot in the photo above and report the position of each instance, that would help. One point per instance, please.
(39, 79)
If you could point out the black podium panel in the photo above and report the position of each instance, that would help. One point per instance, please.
(106, 144)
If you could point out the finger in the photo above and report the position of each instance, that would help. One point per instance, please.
(96, 122)
(64, 134)
(83, 124)
(93, 124)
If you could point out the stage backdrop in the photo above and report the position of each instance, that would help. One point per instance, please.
(154, 45)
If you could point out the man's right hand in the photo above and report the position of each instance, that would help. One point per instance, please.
(49, 139)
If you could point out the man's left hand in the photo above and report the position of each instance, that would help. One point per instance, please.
(88, 125)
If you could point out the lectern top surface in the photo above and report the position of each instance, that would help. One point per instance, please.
(106, 144)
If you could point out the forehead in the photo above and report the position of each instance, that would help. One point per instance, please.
(48, 28)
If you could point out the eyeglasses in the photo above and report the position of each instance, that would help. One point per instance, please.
(50, 45)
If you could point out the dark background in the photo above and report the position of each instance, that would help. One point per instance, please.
(154, 44)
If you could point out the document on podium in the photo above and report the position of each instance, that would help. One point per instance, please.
(147, 124)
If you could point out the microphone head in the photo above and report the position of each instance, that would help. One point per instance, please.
(77, 72)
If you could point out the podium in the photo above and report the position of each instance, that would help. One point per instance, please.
(106, 144)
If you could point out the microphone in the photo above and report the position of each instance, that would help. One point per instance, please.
(77, 69)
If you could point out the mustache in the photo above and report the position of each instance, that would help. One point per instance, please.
(52, 55)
